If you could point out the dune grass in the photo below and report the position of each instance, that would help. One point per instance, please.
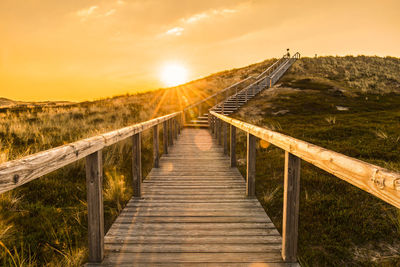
(340, 225)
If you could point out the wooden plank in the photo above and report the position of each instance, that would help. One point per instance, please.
(18, 172)
(193, 248)
(200, 264)
(167, 239)
(192, 219)
(291, 204)
(156, 153)
(94, 186)
(251, 166)
(152, 258)
(182, 226)
(378, 181)
(137, 164)
(233, 146)
(131, 231)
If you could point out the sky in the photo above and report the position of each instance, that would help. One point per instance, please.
(89, 49)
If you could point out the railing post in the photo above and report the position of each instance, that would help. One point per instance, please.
(225, 133)
(170, 133)
(156, 147)
(223, 108)
(215, 127)
(251, 165)
(175, 123)
(233, 146)
(290, 222)
(237, 101)
(137, 164)
(165, 136)
(94, 186)
(178, 121)
(219, 132)
(246, 94)
(200, 110)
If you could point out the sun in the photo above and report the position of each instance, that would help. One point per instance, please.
(173, 74)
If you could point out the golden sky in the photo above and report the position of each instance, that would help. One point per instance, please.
(88, 49)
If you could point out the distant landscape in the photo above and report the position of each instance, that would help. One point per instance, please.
(348, 104)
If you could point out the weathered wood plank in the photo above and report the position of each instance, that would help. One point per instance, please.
(94, 185)
(291, 205)
(137, 164)
(233, 145)
(251, 166)
(165, 137)
(193, 248)
(156, 153)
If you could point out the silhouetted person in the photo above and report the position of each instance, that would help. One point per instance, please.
(288, 53)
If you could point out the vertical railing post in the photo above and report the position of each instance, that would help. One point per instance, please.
(246, 94)
(291, 193)
(223, 108)
(219, 132)
(200, 110)
(251, 165)
(225, 137)
(237, 100)
(178, 124)
(137, 164)
(165, 136)
(175, 123)
(170, 133)
(233, 145)
(94, 186)
(215, 127)
(156, 152)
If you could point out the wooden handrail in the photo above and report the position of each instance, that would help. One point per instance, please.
(18, 172)
(378, 181)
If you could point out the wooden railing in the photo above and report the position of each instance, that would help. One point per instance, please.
(18, 172)
(380, 182)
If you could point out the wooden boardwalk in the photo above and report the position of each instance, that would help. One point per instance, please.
(193, 212)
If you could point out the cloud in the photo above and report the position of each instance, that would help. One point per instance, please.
(110, 12)
(86, 12)
(178, 30)
(175, 31)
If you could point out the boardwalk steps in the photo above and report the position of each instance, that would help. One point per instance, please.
(193, 212)
(231, 103)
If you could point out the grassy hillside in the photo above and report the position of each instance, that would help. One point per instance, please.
(45, 221)
(340, 225)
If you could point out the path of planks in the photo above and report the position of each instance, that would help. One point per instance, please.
(193, 212)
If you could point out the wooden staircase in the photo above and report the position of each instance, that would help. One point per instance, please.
(232, 103)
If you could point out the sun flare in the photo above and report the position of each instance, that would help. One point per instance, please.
(173, 74)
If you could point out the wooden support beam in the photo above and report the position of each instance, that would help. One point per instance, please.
(233, 146)
(156, 152)
(179, 125)
(219, 132)
(137, 164)
(94, 186)
(215, 123)
(251, 166)
(170, 133)
(175, 125)
(165, 136)
(291, 193)
(225, 137)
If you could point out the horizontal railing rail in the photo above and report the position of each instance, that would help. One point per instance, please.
(378, 181)
(21, 171)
